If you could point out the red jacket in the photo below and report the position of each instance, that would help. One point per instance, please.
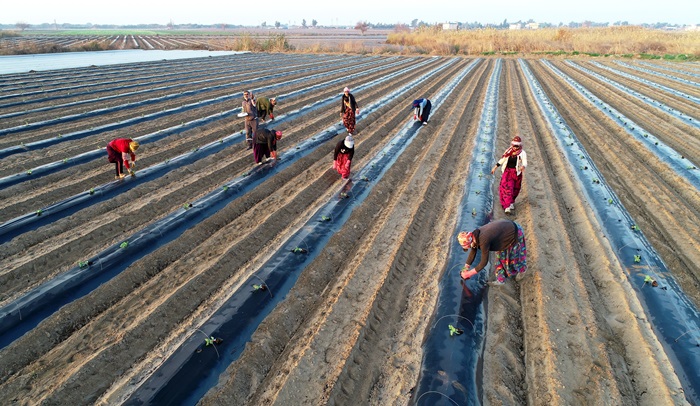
(122, 145)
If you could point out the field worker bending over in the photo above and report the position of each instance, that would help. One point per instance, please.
(119, 151)
(265, 107)
(251, 117)
(513, 164)
(265, 144)
(421, 110)
(506, 238)
(342, 156)
(348, 110)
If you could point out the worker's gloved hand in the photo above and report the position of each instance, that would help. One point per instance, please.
(415, 117)
(272, 117)
(133, 164)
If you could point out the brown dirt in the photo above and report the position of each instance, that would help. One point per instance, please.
(571, 331)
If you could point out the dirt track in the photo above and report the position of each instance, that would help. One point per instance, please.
(571, 331)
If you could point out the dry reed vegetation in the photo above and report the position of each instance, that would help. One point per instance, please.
(628, 40)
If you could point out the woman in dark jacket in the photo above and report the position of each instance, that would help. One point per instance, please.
(348, 110)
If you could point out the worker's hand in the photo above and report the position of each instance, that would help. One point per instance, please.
(271, 117)
(415, 117)
(466, 274)
(133, 164)
(420, 118)
(357, 111)
(493, 170)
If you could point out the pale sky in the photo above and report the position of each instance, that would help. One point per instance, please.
(339, 12)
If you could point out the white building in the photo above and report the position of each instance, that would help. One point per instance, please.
(450, 26)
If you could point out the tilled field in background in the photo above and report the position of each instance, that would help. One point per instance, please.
(350, 330)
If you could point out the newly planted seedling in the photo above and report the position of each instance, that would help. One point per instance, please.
(648, 279)
(454, 331)
(187, 206)
(38, 212)
(84, 264)
(299, 250)
(211, 341)
(637, 258)
(92, 191)
(124, 245)
(325, 218)
(474, 212)
(261, 287)
(225, 188)
(634, 227)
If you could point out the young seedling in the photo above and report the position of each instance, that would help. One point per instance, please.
(610, 200)
(38, 212)
(65, 160)
(596, 180)
(225, 188)
(343, 195)
(92, 191)
(474, 212)
(365, 178)
(454, 331)
(29, 172)
(637, 258)
(634, 227)
(84, 264)
(187, 206)
(124, 245)
(648, 279)
(325, 218)
(478, 192)
(299, 250)
(212, 341)
(261, 287)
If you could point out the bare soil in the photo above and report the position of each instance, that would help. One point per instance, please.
(570, 331)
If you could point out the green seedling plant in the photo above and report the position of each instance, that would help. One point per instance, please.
(84, 264)
(299, 250)
(648, 279)
(187, 206)
(29, 172)
(634, 227)
(596, 180)
(637, 259)
(478, 192)
(474, 212)
(610, 200)
(365, 178)
(65, 160)
(261, 287)
(38, 212)
(325, 218)
(92, 191)
(225, 188)
(454, 331)
(124, 245)
(343, 195)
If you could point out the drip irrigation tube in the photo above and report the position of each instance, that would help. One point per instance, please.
(672, 315)
(64, 208)
(675, 161)
(451, 363)
(89, 156)
(126, 106)
(187, 375)
(651, 102)
(24, 313)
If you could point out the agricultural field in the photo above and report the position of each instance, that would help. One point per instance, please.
(207, 279)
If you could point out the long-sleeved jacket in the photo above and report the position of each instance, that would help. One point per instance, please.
(121, 145)
(419, 105)
(519, 165)
(351, 98)
(264, 107)
(341, 148)
(265, 136)
(249, 107)
(495, 236)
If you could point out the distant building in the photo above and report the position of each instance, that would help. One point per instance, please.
(515, 26)
(450, 26)
(532, 26)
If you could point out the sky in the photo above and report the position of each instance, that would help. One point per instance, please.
(335, 12)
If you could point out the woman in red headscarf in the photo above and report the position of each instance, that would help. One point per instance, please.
(513, 164)
(506, 238)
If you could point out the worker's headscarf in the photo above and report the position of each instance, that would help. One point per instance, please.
(346, 90)
(133, 146)
(516, 147)
(278, 134)
(465, 239)
(349, 142)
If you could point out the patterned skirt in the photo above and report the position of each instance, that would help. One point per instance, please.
(509, 188)
(349, 121)
(512, 260)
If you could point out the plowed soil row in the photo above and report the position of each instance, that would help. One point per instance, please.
(569, 331)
